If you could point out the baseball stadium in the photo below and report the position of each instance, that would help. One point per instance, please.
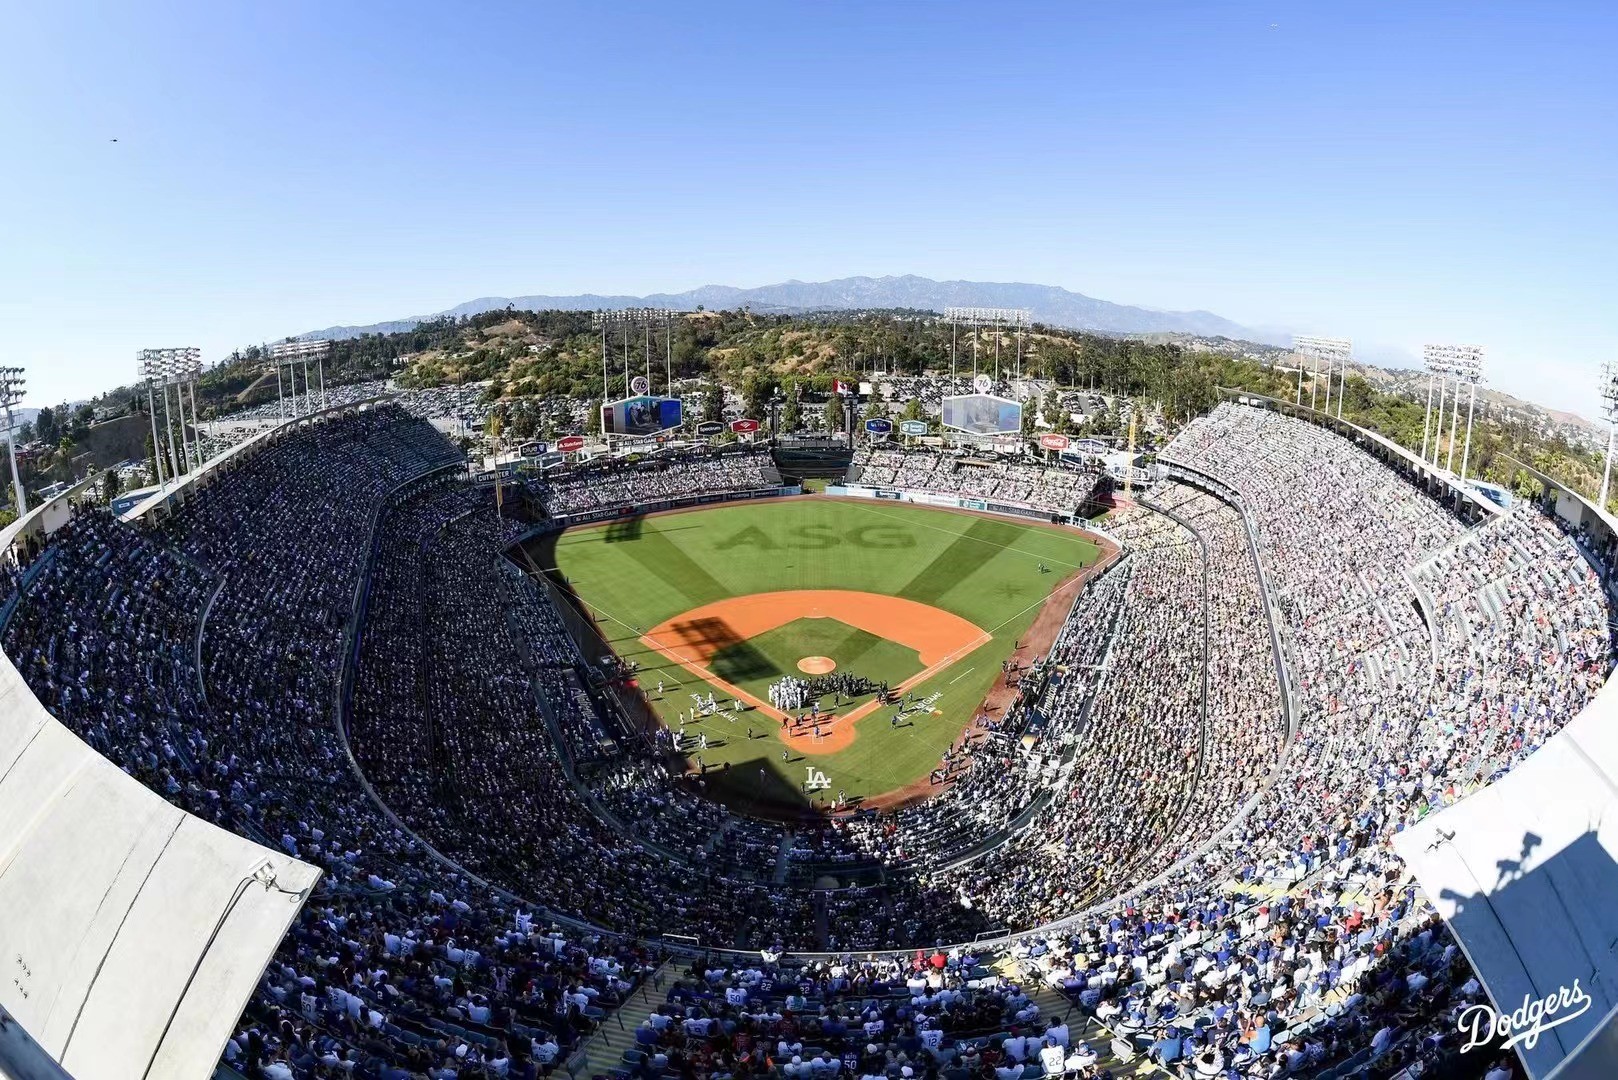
(728, 751)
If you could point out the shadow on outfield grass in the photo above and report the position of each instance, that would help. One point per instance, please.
(624, 529)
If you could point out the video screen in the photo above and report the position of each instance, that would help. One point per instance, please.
(640, 416)
(982, 414)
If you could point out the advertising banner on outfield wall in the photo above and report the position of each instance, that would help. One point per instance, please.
(587, 517)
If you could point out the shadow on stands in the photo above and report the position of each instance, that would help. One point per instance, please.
(1548, 922)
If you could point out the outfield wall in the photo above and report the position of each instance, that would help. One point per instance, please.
(1003, 507)
(615, 513)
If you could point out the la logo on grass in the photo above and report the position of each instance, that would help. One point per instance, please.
(816, 781)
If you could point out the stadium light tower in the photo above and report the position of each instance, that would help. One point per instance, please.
(11, 392)
(188, 370)
(1427, 413)
(1469, 365)
(149, 369)
(165, 368)
(1016, 318)
(628, 320)
(1465, 363)
(1438, 364)
(292, 354)
(1331, 350)
(1609, 409)
(600, 322)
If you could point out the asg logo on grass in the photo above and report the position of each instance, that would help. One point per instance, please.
(818, 538)
(1527, 1022)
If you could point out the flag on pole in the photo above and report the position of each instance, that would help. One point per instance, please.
(494, 427)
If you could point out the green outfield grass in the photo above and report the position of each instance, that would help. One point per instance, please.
(633, 575)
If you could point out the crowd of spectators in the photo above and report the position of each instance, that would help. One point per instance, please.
(462, 401)
(941, 1015)
(1298, 939)
(1031, 483)
(1221, 881)
(1127, 787)
(397, 965)
(1016, 761)
(607, 484)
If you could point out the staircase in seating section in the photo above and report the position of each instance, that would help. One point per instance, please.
(604, 1050)
(1081, 1028)
(783, 856)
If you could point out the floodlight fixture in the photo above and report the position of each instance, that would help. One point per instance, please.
(1608, 389)
(636, 318)
(632, 316)
(169, 366)
(990, 316)
(1463, 361)
(11, 395)
(301, 351)
(1018, 319)
(176, 367)
(1335, 352)
(1465, 364)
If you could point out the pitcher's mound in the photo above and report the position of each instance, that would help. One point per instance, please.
(817, 665)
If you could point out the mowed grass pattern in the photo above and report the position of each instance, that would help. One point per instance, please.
(985, 570)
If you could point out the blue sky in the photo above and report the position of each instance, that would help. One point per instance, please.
(1396, 173)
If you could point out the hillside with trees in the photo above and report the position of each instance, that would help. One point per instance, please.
(528, 358)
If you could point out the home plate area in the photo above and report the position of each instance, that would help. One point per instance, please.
(835, 653)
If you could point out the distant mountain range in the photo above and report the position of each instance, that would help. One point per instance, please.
(1050, 304)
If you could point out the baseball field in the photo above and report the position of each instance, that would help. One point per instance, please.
(728, 602)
